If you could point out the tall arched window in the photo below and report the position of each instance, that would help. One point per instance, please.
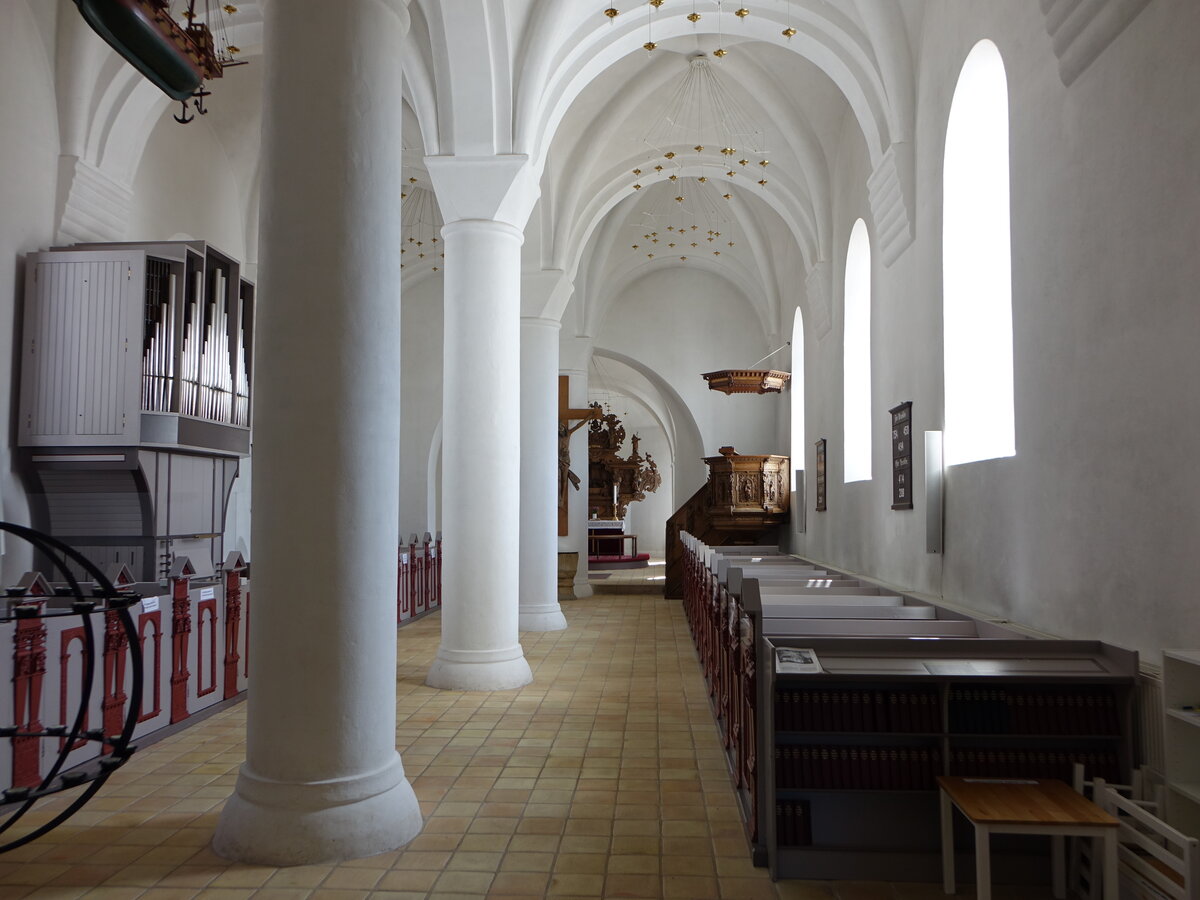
(977, 266)
(856, 357)
(798, 449)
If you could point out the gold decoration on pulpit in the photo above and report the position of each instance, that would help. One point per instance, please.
(615, 481)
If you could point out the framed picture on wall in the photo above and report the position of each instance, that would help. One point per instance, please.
(820, 468)
(902, 434)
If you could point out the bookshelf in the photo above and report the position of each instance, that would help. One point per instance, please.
(851, 752)
(1181, 733)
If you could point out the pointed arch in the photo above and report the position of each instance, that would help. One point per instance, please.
(977, 331)
(856, 357)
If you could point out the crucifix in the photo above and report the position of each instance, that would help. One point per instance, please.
(566, 416)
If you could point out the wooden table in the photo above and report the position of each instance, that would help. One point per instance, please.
(599, 543)
(1023, 806)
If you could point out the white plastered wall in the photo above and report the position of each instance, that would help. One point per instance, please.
(1089, 531)
(421, 406)
(28, 174)
(185, 185)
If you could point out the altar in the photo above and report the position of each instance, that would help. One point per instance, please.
(610, 546)
(607, 537)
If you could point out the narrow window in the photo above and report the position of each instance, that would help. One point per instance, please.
(856, 357)
(796, 386)
(977, 266)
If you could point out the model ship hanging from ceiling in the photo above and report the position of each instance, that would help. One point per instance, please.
(176, 56)
(613, 481)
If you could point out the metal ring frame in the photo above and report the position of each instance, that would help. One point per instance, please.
(104, 598)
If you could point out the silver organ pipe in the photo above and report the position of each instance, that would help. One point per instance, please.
(202, 372)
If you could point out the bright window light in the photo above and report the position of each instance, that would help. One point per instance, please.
(798, 447)
(856, 357)
(977, 265)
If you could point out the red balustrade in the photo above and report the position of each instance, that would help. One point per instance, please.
(724, 633)
(233, 568)
(29, 671)
(193, 677)
(181, 627)
(418, 577)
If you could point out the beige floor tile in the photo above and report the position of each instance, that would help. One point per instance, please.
(518, 883)
(299, 877)
(346, 878)
(628, 885)
(416, 880)
(464, 882)
(690, 887)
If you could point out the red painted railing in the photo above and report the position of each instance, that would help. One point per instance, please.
(724, 634)
(418, 578)
(182, 673)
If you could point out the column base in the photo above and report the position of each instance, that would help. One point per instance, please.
(542, 618)
(583, 590)
(479, 670)
(276, 823)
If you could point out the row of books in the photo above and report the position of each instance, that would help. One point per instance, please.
(1072, 710)
(792, 825)
(857, 768)
(914, 711)
(1034, 763)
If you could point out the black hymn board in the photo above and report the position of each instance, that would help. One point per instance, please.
(902, 456)
(821, 475)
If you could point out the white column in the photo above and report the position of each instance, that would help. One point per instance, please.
(539, 609)
(322, 779)
(577, 504)
(481, 459)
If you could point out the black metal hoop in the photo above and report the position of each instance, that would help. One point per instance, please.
(104, 597)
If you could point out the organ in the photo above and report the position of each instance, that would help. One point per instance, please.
(135, 398)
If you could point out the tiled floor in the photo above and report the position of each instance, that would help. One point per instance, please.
(603, 778)
(644, 578)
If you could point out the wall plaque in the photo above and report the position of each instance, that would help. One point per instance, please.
(821, 475)
(902, 455)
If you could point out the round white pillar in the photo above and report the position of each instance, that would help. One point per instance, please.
(538, 579)
(577, 504)
(322, 779)
(481, 459)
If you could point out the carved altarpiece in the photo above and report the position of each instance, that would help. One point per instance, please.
(615, 481)
(566, 477)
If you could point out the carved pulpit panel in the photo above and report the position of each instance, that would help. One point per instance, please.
(615, 481)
